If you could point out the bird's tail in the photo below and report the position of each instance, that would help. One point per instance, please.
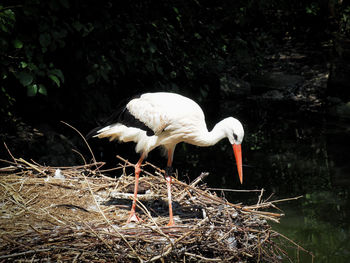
(120, 132)
(123, 133)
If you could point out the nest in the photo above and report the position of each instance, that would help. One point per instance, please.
(78, 214)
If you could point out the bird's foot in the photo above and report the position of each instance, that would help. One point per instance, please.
(171, 222)
(133, 218)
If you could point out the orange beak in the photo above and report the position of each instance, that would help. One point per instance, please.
(238, 155)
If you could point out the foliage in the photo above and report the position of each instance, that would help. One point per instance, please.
(345, 21)
(74, 58)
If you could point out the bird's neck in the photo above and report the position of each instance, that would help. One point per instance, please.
(210, 138)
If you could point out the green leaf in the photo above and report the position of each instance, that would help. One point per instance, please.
(17, 43)
(58, 73)
(23, 64)
(197, 35)
(42, 90)
(25, 78)
(55, 79)
(7, 20)
(32, 90)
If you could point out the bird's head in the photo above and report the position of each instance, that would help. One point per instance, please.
(234, 130)
(235, 133)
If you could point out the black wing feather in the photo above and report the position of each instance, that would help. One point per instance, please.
(122, 116)
(127, 119)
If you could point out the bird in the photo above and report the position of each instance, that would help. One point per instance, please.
(165, 119)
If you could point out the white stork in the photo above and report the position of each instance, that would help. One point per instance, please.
(166, 119)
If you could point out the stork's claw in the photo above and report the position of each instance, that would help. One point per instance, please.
(171, 222)
(133, 218)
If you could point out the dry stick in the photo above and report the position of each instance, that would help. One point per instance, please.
(204, 258)
(31, 165)
(11, 240)
(17, 198)
(11, 168)
(193, 184)
(267, 204)
(73, 167)
(133, 165)
(92, 154)
(260, 196)
(42, 235)
(295, 244)
(110, 169)
(53, 217)
(227, 234)
(103, 241)
(24, 253)
(233, 190)
(287, 199)
(81, 156)
(169, 247)
(155, 167)
(13, 158)
(158, 229)
(77, 257)
(109, 223)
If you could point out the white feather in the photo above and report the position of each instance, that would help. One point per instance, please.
(173, 118)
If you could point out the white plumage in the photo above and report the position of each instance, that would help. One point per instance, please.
(165, 119)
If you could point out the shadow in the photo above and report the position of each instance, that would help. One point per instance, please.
(158, 207)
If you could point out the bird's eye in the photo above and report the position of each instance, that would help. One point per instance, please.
(235, 137)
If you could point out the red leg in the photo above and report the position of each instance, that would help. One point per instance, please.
(168, 182)
(133, 217)
(171, 219)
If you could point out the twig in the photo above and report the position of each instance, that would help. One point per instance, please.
(193, 184)
(81, 156)
(169, 247)
(109, 223)
(260, 196)
(157, 229)
(234, 190)
(102, 240)
(133, 165)
(13, 158)
(24, 253)
(155, 167)
(82, 136)
(31, 165)
(295, 244)
(203, 258)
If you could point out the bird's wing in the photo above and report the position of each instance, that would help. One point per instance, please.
(150, 112)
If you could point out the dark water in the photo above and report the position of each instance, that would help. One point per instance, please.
(288, 155)
(307, 155)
